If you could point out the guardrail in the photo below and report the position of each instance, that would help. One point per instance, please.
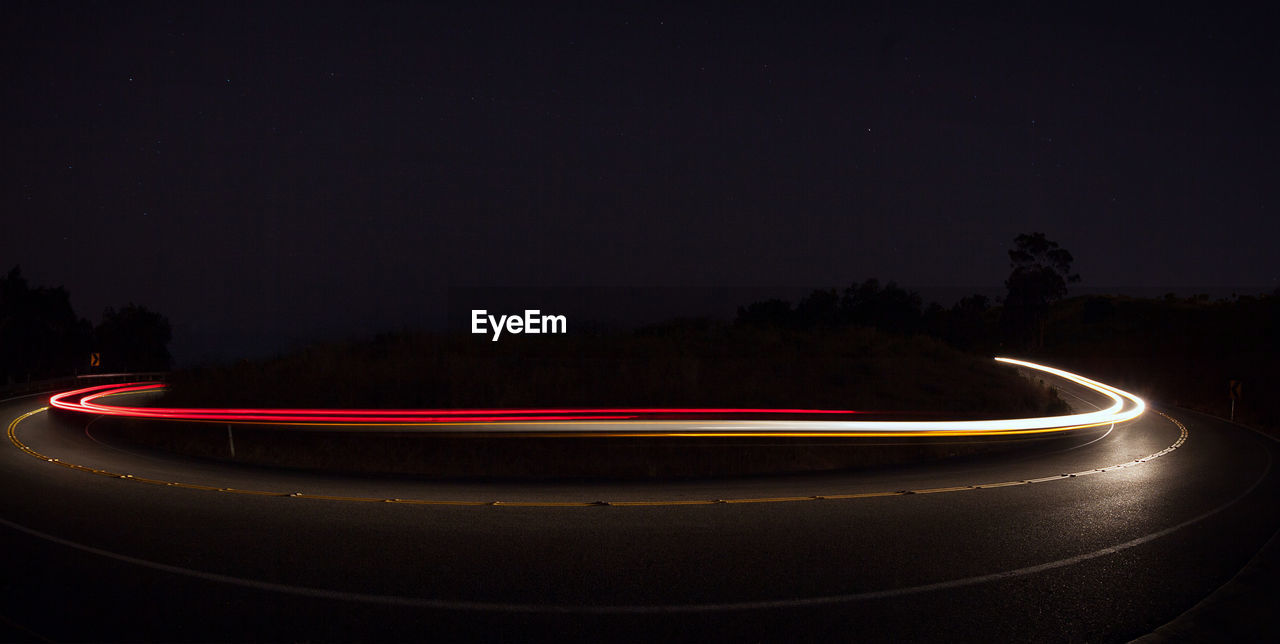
(78, 380)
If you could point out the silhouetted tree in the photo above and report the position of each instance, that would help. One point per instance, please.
(890, 308)
(134, 339)
(819, 308)
(772, 312)
(967, 326)
(1041, 272)
(40, 335)
(934, 320)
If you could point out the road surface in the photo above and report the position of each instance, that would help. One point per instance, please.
(1162, 511)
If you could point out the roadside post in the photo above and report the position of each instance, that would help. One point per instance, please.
(1234, 387)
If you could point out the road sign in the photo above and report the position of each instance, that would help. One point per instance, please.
(95, 359)
(1235, 389)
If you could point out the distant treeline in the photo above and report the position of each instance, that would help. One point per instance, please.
(868, 345)
(42, 337)
(971, 324)
(1040, 273)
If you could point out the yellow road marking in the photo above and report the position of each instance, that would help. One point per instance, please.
(13, 438)
(958, 488)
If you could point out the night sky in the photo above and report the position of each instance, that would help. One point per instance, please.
(269, 174)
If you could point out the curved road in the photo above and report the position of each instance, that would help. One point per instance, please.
(1000, 548)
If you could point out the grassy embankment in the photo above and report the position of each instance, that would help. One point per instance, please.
(687, 365)
(679, 365)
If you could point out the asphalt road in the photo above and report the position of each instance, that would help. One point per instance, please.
(1101, 556)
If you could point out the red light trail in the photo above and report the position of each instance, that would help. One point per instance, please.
(683, 422)
(83, 400)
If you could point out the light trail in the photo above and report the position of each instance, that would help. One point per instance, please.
(125, 388)
(83, 402)
(635, 422)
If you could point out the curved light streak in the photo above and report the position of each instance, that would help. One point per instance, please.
(84, 403)
(430, 412)
(624, 421)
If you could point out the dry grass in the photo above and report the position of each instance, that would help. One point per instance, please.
(693, 364)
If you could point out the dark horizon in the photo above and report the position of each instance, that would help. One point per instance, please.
(266, 175)
(595, 308)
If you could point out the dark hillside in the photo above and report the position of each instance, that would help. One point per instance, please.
(682, 364)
